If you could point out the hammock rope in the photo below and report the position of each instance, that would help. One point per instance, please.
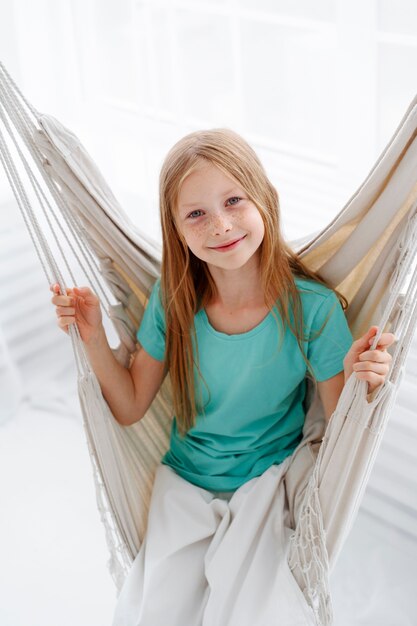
(27, 129)
(308, 558)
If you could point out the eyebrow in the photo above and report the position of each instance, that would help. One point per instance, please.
(226, 193)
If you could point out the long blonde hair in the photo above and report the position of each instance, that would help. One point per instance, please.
(187, 285)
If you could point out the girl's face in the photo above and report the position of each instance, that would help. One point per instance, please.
(213, 211)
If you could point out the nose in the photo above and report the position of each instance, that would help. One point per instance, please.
(220, 223)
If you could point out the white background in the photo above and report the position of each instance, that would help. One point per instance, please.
(317, 89)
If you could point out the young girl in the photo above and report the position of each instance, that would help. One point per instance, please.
(239, 322)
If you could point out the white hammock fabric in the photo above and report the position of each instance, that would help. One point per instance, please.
(367, 252)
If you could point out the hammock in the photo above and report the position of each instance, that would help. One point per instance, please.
(367, 252)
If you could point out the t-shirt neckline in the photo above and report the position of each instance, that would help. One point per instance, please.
(236, 336)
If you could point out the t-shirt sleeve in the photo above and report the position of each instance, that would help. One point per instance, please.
(328, 349)
(151, 331)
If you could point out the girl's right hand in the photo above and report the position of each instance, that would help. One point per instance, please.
(80, 305)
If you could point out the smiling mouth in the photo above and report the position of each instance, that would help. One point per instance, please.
(228, 245)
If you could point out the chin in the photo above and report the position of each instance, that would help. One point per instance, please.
(231, 263)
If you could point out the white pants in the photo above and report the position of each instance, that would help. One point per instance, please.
(214, 561)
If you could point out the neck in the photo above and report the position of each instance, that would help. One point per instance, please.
(238, 289)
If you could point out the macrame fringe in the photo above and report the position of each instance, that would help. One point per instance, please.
(309, 555)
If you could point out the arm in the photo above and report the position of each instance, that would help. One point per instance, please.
(369, 365)
(115, 380)
(329, 391)
(128, 392)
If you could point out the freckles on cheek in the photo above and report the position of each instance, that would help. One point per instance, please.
(196, 231)
(194, 235)
(237, 216)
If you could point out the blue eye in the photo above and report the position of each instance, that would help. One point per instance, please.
(199, 210)
(235, 198)
(196, 211)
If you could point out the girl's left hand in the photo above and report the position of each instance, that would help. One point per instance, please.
(370, 365)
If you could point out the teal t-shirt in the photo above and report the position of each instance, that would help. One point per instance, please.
(254, 417)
